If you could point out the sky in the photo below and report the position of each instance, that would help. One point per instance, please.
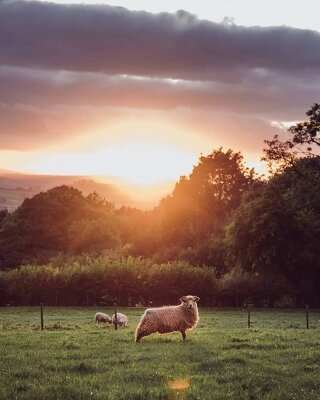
(139, 91)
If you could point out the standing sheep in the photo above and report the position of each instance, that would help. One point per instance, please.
(101, 317)
(122, 319)
(169, 319)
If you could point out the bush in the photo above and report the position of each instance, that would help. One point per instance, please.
(87, 280)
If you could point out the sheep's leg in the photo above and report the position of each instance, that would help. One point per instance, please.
(183, 334)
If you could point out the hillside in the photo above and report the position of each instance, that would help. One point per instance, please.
(15, 187)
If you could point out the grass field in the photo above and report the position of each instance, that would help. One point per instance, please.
(74, 359)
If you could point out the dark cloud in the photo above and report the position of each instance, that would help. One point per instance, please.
(268, 96)
(67, 69)
(117, 41)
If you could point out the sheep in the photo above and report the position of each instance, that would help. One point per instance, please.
(101, 317)
(169, 318)
(122, 319)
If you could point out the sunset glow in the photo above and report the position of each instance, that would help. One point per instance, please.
(139, 95)
(143, 163)
(159, 173)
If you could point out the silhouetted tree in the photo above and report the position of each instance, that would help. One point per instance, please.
(3, 214)
(61, 219)
(276, 228)
(304, 142)
(193, 217)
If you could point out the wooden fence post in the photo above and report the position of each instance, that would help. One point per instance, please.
(249, 321)
(307, 315)
(41, 315)
(115, 317)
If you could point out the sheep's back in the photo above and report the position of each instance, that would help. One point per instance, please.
(166, 319)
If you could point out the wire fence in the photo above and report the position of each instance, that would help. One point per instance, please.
(215, 318)
(262, 318)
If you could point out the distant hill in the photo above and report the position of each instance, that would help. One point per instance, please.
(15, 187)
(107, 190)
(7, 171)
(14, 180)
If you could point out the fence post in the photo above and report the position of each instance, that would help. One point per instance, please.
(115, 317)
(307, 315)
(249, 322)
(41, 315)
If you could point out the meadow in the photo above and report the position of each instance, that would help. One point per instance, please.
(277, 358)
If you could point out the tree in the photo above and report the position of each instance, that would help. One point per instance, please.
(194, 214)
(308, 132)
(3, 214)
(91, 235)
(219, 180)
(59, 220)
(276, 228)
(304, 142)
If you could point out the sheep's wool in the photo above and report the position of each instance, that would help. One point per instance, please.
(168, 319)
(101, 317)
(122, 319)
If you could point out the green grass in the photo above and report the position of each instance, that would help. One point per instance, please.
(74, 359)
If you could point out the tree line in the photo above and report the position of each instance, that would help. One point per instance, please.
(259, 237)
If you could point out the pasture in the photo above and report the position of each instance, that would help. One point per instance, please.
(277, 358)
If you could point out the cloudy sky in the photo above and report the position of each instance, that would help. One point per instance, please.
(139, 91)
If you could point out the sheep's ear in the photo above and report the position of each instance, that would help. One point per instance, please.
(196, 298)
(183, 298)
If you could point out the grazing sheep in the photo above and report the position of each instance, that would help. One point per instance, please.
(122, 319)
(169, 319)
(101, 317)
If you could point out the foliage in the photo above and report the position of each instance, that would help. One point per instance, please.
(304, 142)
(127, 281)
(61, 219)
(193, 216)
(222, 231)
(276, 229)
(308, 132)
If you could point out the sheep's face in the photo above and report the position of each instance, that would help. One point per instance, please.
(190, 302)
